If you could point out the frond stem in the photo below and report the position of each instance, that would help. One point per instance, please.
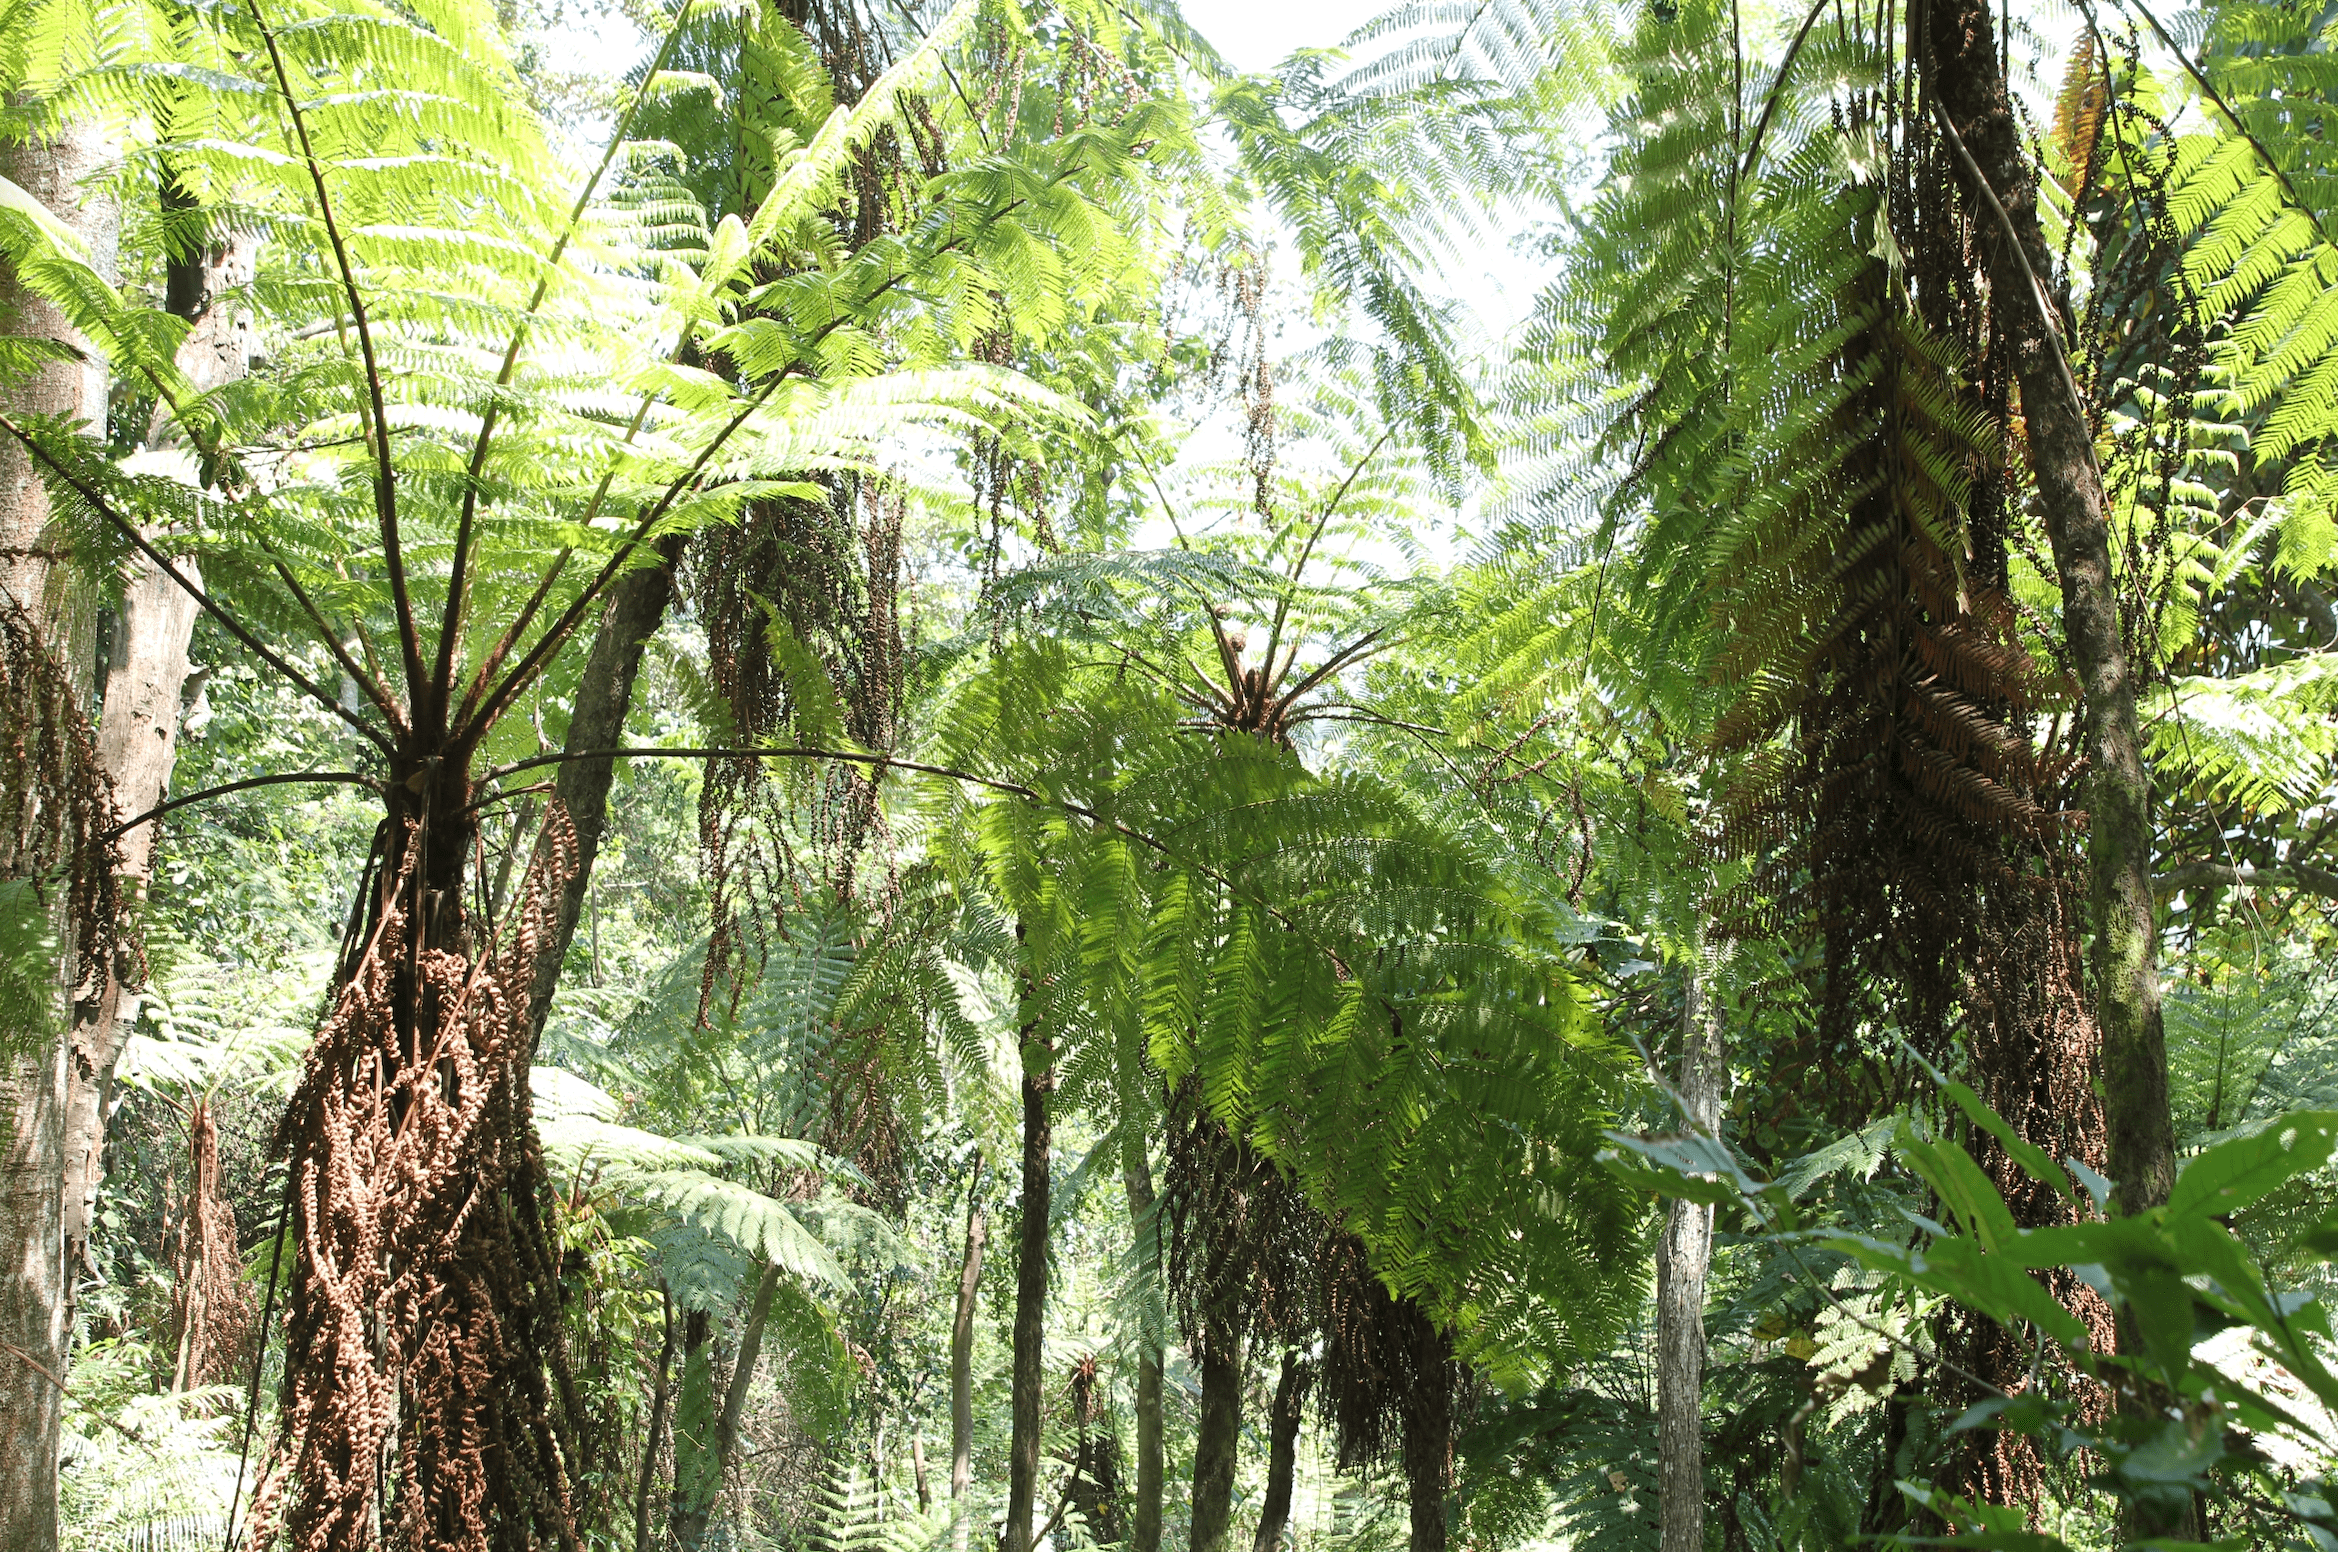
(385, 488)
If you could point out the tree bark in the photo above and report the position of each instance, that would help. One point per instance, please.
(1030, 1290)
(35, 1280)
(1958, 55)
(962, 1359)
(1217, 1433)
(1684, 1256)
(1427, 1416)
(604, 697)
(1145, 1528)
(1282, 1459)
(692, 1499)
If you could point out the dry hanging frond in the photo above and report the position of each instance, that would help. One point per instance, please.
(55, 807)
(211, 1311)
(422, 1341)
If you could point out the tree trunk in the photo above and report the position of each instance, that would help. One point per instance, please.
(657, 1429)
(1137, 1176)
(604, 697)
(962, 1360)
(1959, 59)
(714, 1440)
(1217, 1435)
(696, 1479)
(35, 1280)
(1684, 1256)
(1030, 1292)
(1428, 1442)
(1282, 1459)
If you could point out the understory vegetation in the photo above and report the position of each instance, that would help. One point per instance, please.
(894, 776)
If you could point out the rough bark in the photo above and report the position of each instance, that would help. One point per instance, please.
(1428, 1448)
(1217, 1436)
(1030, 1293)
(1145, 1528)
(137, 736)
(1684, 1256)
(1282, 1458)
(33, 1312)
(962, 1359)
(35, 1283)
(604, 697)
(1958, 55)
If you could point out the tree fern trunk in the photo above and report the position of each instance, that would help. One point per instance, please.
(696, 1480)
(1145, 1531)
(1958, 54)
(1683, 1258)
(1217, 1435)
(657, 1429)
(1282, 1460)
(962, 1362)
(1030, 1291)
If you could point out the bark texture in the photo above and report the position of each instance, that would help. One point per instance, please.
(1143, 1211)
(1282, 1457)
(1684, 1256)
(35, 1277)
(1958, 55)
(962, 1359)
(604, 697)
(1217, 1436)
(1030, 1293)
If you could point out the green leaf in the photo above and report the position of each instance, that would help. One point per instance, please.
(2231, 1175)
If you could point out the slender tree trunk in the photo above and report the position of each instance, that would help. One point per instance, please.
(925, 1492)
(604, 697)
(1282, 1459)
(1684, 1256)
(657, 1429)
(35, 1279)
(1030, 1291)
(1959, 59)
(697, 1480)
(1217, 1435)
(1145, 1529)
(699, 1484)
(962, 1359)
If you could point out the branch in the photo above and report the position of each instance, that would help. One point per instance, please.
(556, 633)
(163, 564)
(288, 778)
(2211, 875)
(385, 490)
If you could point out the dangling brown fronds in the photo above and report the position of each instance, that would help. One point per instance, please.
(422, 1349)
(211, 1310)
(1389, 1384)
(1242, 1237)
(55, 808)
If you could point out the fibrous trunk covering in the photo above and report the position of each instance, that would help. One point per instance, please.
(421, 1342)
(210, 1310)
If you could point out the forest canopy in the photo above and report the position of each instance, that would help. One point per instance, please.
(871, 776)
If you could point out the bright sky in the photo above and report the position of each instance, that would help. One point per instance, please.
(1255, 35)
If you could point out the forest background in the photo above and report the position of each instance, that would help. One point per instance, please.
(910, 772)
